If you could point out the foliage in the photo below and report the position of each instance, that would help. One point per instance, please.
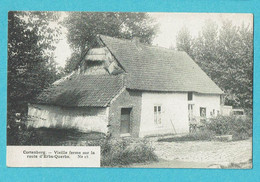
(239, 127)
(18, 134)
(30, 57)
(184, 41)
(226, 54)
(84, 26)
(126, 151)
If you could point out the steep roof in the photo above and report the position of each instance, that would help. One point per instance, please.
(151, 68)
(148, 68)
(83, 90)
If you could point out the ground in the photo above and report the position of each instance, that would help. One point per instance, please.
(202, 154)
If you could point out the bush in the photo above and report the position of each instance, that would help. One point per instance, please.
(239, 127)
(20, 135)
(123, 151)
(120, 151)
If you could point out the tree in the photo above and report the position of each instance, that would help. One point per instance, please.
(84, 26)
(204, 51)
(235, 54)
(184, 41)
(226, 55)
(30, 57)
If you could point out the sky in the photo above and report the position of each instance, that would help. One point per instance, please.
(169, 26)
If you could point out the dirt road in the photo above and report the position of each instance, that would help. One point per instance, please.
(201, 154)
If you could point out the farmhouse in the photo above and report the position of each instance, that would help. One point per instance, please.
(128, 88)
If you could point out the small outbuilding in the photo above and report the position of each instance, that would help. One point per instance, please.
(128, 88)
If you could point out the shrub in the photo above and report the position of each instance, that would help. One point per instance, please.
(239, 127)
(124, 151)
(116, 152)
(20, 135)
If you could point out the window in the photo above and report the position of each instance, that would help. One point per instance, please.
(203, 112)
(157, 115)
(190, 112)
(190, 96)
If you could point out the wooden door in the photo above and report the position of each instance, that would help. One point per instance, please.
(125, 120)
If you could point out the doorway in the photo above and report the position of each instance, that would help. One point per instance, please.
(125, 120)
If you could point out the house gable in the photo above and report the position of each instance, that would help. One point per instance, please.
(99, 61)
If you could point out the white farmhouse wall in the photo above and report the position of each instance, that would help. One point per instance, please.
(209, 101)
(174, 113)
(84, 119)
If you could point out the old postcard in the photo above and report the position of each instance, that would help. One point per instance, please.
(119, 89)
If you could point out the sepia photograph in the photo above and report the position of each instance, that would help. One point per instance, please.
(151, 89)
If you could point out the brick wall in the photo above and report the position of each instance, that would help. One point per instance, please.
(127, 99)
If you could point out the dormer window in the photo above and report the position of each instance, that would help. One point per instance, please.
(190, 96)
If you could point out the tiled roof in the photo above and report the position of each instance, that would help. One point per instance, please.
(148, 68)
(83, 90)
(153, 68)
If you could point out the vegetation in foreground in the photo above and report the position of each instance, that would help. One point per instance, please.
(240, 128)
(241, 165)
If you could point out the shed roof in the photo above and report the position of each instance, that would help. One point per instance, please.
(153, 68)
(83, 90)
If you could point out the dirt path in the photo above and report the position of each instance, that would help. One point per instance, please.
(201, 154)
(205, 151)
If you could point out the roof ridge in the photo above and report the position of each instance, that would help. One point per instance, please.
(121, 39)
(143, 44)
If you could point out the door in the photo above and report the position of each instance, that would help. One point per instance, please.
(125, 120)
